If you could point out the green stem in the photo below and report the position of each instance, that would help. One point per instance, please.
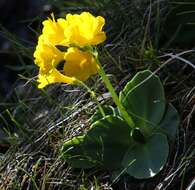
(114, 95)
(93, 95)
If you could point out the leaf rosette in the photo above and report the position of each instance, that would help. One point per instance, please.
(141, 150)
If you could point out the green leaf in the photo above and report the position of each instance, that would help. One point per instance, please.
(108, 110)
(143, 98)
(73, 153)
(107, 141)
(170, 121)
(149, 158)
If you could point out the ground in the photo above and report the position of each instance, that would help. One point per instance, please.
(140, 35)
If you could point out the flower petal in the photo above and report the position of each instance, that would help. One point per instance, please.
(47, 56)
(84, 29)
(53, 76)
(53, 31)
(79, 64)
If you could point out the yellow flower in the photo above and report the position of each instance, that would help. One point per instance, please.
(80, 65)
(53, 31)
(79, 30)
(84, 29)
(53, 76)
(47, 56)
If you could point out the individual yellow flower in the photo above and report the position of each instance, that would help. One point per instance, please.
(84, 29)
(80, 65)
(53, 76)
(47, 56)
(53, 31)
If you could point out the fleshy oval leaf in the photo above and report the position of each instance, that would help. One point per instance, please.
(107, 141)
(74, 153)
(143, 98)
(147, 159)
(170, 122)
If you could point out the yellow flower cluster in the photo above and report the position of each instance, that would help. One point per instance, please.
(74, 32)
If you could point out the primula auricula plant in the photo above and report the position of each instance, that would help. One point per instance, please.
(132, 138)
